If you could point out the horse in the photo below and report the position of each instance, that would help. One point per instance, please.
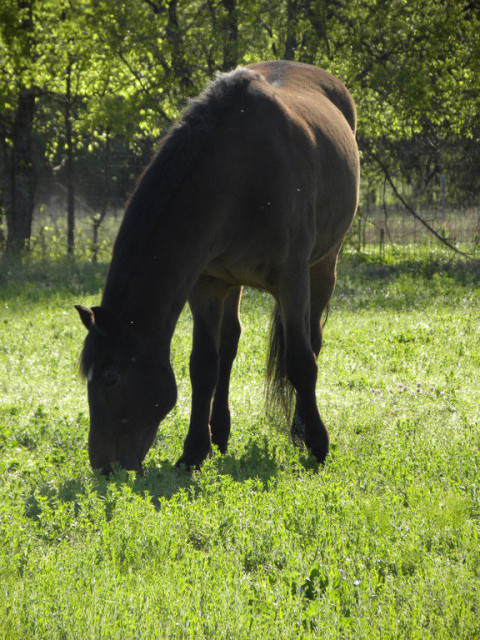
(255, 185)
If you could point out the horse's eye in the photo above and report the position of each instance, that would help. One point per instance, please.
(110, 377)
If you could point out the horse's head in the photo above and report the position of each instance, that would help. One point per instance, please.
(130, 390)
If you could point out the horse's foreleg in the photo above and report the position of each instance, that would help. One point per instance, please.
(229, 337)
(300, 359)
(206, 302)
(322, 284)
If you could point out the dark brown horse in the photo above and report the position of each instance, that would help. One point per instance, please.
(256, 185)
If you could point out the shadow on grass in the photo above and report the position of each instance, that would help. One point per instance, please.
(402, 283)
(363, 267)
(258, 461)
(161, 481)
(41, 280)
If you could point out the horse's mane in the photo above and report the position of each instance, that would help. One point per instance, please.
(178, 153)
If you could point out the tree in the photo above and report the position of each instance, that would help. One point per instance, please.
(18, 101)
(78, 77)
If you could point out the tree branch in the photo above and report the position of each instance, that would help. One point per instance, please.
(410, 210)
(157, 10)
(143, 87)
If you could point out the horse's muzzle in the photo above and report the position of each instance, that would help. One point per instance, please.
(126, 463)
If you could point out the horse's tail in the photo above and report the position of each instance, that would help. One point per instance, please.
(279, 387)
(324, 316)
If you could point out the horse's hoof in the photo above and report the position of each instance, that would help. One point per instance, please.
(321, 457)
(192, 463)
(221, 446)
(320, 453)
(188, 465)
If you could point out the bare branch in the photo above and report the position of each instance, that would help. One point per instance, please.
(410, 210)
(155, 8)
(144, 88)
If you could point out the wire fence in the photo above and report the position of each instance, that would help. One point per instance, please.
(379, 225)
(395, 225)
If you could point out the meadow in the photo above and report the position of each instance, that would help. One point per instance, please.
(380, 542)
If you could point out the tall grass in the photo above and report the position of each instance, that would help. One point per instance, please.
(381, 542)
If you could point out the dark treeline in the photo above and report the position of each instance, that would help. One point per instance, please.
(86, 82)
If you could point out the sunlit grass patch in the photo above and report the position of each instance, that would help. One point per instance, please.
(382, 542)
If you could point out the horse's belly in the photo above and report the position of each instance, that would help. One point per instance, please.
(256, 274)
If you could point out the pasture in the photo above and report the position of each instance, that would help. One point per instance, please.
(380, 542)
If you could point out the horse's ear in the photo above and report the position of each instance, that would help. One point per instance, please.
(107, 323)
(86, 315)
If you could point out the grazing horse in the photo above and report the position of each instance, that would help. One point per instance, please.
(256, 185)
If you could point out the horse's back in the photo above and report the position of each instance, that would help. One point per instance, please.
(311, 114)
(278, 180)
(298, 79)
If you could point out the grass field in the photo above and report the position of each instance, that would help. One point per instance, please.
(382, 542)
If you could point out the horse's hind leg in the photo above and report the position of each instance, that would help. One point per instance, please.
(206, 302)
(322, 284)
(300, 359)
(229, 337)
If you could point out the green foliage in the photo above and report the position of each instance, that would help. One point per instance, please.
(409, 65)
(411, 62)
(412, 67)
(382, 542)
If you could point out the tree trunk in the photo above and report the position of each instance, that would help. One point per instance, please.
(69, 164)
(230, 35)
(100, 217)
(3, 183)
(180, 65)
(291, 41)
(20, 175)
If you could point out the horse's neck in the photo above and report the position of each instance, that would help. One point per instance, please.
(151, 296)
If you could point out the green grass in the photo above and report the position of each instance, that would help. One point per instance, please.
(382, 542)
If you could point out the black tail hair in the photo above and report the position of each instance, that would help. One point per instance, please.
(279, 388)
